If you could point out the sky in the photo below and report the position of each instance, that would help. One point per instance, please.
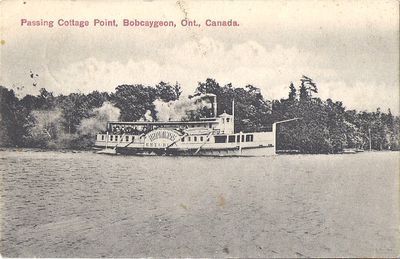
(349, 48)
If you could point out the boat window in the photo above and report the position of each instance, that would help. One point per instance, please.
(102, 137)
(127, 138)
(201, 139)
(242, 138)
(249, 138)
(209, 125)
(238, 138)
(195, 139)
(227, 119)
(220, 139)
(183, 139)
(231, 139)
(188, 138)
(111, 138)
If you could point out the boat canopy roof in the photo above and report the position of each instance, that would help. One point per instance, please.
(205, 121)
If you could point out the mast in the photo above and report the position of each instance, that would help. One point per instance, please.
(233, 115)
(369, 133)
(233, 108)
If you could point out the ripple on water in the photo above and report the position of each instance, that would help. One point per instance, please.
(87, 205)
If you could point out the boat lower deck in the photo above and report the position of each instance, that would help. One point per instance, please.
(233, 151)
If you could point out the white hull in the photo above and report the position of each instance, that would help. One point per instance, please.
(164, 142)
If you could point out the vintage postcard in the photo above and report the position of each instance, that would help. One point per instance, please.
(187, 129)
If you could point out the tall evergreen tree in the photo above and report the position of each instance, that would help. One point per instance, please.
(307, 87)
(292, 92)
(303, 92)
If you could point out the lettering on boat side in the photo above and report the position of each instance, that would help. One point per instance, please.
(161, 135)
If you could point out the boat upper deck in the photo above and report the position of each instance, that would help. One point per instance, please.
(158, 123)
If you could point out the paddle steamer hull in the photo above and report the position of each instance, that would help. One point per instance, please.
(249, 151)
(171, 142)
(213, 136)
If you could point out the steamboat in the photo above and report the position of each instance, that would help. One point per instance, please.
(214, 136)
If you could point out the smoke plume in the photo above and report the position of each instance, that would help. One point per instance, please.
(97, 123)
(47, 124)
(180, 110)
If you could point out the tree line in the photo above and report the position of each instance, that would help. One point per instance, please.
(325, 126)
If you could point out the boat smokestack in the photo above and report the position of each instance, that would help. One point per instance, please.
(212, 98)
(233, 114)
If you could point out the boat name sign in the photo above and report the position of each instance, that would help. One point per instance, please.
(162, 136)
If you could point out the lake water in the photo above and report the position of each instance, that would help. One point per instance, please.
(56, 204)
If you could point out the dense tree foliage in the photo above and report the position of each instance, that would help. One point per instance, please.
(327, 127)
(13, 118)
(252, 111)
(324, 126)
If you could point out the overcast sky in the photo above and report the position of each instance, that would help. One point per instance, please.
(350, 49)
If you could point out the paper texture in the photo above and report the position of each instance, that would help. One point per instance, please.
(329, 67)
